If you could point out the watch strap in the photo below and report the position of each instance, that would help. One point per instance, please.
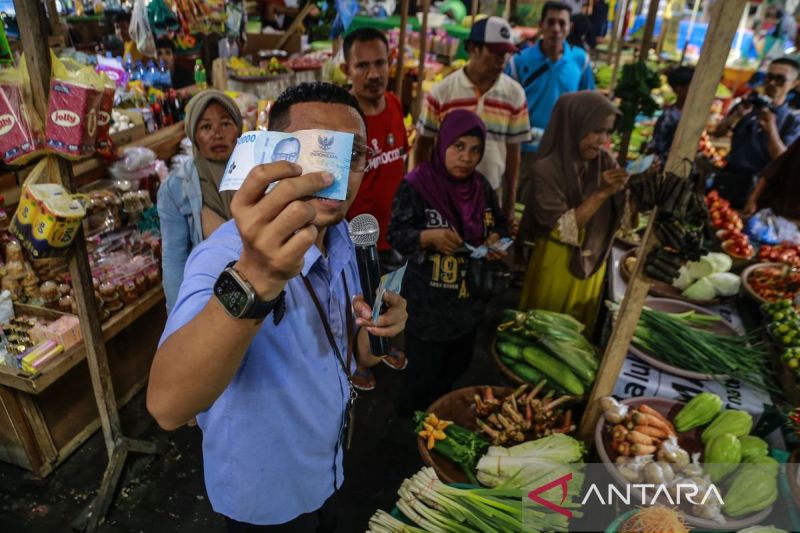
(261, 308)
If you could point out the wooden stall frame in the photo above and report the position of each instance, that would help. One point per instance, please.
(722, 28)
(399, 73)
(423, 51)
(30, 16)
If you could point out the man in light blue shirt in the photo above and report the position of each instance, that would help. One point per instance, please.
(271, 396)
(546, 70)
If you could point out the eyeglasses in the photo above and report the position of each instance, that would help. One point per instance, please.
(358, 159)
(777, 79)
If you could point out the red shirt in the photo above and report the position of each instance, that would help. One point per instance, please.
(387, 146)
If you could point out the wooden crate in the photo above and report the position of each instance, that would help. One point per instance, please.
(45, 417)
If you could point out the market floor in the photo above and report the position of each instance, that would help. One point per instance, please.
(167, 493)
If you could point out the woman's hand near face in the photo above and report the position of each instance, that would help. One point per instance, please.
(444, 240)
(614, 180)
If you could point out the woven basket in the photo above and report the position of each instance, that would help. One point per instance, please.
(458, 407)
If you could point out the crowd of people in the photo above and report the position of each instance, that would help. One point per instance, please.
(263, 291)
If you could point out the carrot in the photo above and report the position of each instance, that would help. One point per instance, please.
(644, 408)
(643, 449)
(635, 437)
(644, 419)
(651, 431)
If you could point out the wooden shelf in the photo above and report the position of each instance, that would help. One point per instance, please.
(37, 383)
(163, 142)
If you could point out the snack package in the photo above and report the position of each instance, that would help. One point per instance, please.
(47, 217)
(21, 133)
(103, 142)
(75, 94)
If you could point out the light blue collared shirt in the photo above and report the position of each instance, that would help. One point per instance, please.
(271, 441)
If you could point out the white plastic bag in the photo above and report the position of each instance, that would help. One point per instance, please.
(140, 29)
(6, 307)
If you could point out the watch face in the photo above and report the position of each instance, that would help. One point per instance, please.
(231, 294)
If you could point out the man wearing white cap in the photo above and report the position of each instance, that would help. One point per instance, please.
(482, 88)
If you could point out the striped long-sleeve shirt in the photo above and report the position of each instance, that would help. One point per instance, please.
(502, 108)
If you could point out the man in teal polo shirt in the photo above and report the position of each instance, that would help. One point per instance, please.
(547, 70)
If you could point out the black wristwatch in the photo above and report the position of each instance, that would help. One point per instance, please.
(239, 298)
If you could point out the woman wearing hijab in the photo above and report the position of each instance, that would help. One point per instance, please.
(190, 206)
(442, 206)
(573, 209)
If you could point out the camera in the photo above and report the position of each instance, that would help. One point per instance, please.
(759, 102)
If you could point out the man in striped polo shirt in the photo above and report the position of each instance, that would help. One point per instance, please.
(482, 87)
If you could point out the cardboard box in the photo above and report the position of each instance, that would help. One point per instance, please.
(131, 134)
(269, 41)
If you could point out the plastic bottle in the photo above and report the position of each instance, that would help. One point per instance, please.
(151, 76)
(167, 117)
(129, 66)
(138, 72)
(164, 75)
(177, 106)
(155, 107)
(200, 75)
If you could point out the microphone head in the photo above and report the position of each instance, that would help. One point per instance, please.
(364, 230)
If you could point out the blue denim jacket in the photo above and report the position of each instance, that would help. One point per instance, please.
(180, 202)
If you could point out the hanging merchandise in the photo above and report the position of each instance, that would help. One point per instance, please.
(6, 56)
(233, 24)
(75, 94)
(139, 29)
(163, 21)
(47, 217)
(346, 10)
(203, 17)
(103, 142)
(21, 132)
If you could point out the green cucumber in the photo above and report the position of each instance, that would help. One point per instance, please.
(508, 336)
(527, 372)
(567, 354)
(553, 368)
(511, 351)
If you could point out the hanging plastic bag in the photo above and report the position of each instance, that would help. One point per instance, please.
(163, 21)
(21, 132)
(103, 143)
(139, 29)
(48, 217)
(75, 94)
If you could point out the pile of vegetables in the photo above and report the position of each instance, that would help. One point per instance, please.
(543, 345)
(655, 519)
(639, 431)
(531, 464)
(775, 283)
(680, 226)
(522, 416)
(736, 462)
(681, 340)
(784, 327)
(712, 153)
(433, 506)
(708, 278)
(456, 443)
(785, 252)
(729, 227)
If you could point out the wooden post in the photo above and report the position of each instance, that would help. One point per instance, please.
(219, 74)
(618, 38)
(423, 51)
(649, 30)
(30, 16)
(695, 113)
(474, 10)
(399, 71)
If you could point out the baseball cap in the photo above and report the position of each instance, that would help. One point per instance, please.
(495, 33)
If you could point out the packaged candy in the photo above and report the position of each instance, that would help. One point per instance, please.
(103, 142)
(21, 133)
(75, 94)
(47, 217)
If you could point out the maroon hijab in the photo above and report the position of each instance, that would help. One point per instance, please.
(460, 201)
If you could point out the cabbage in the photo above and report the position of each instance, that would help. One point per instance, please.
(720, 262)
(700, 269)
(725, 283)
(683, 280)
(701, 289)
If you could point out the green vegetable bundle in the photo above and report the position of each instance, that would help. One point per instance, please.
(540, 344)
(461, 446)
(680, 340)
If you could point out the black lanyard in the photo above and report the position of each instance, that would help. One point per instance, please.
(348, 416)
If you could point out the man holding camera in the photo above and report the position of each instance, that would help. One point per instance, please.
(762, 129)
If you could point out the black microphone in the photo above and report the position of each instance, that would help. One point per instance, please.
(364, 231)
